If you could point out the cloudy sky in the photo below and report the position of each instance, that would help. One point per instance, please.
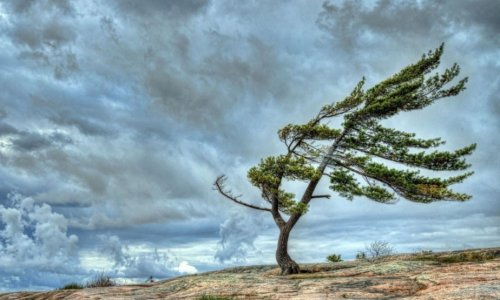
(117, 116)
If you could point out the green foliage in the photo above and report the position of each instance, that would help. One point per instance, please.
(407, 90)
(72, 286)
(268, 176)
(310, 131)
(269, 172)
(412, 186)
(361, 255)
(347, 186)
(298, 208)
(349, 103)
(334, 258)
(364, 139)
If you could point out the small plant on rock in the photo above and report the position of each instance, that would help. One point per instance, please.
(72, 286)
(334, 258)
(379, 249)
(101, 280)
(361, 255)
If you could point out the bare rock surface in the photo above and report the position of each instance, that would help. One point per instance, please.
(471, 274)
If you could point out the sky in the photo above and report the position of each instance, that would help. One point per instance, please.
(116, 117)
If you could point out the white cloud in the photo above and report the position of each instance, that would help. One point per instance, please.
(237, 236)
(138, 263)
(34, 241)
(186, 268)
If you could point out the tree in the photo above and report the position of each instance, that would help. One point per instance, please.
(379, 249)
(362, 157)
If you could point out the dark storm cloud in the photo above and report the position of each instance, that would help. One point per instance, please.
(48, 43)
(203, 93)
(29, 6)
(25, 141)
(53, 34)
(85, 125)
(474, 14)
(353, 23)
(145, 178)
(177, 8)
(31, 141)
(6, 129)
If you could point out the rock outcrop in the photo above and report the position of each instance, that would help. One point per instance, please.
(472, 274)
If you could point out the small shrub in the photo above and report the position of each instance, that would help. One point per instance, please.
(361, 255)
(334, 258)
(379, 249)
(72, 286)
(100, 280)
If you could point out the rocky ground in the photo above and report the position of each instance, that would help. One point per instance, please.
(471, 274)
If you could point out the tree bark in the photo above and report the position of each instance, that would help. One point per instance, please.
(286, 263)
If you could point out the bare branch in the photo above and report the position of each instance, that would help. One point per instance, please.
(219, 186)
(321, 196)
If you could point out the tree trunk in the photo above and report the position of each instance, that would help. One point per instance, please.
(286, 263)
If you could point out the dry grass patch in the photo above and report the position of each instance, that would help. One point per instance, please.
(459, 257)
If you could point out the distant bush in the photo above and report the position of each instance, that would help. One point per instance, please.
(379, 249)
(334, 258)
(72, 286)
(361, 255)
(101, 280)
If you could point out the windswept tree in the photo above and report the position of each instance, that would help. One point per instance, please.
(363, 157)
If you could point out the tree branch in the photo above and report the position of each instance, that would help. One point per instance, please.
(278, 219)
(219, 186)
(397, 190)
(308, 193)
(320, 196)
